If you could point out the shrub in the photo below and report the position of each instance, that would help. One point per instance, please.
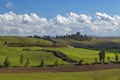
(87, 64)
(6, 62)
(81, 61)
(95, 60)
(5, 43)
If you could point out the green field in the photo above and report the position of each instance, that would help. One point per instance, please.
(87, 55)
(36, 53)
(116, 40)
(14, 54)
(92, 75)
(91, 42)
(24, 41)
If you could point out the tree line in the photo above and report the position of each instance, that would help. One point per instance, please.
(76, 36)
(25, 62)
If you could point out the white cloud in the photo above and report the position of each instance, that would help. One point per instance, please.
(29, 24)
(60, 19)
(9, 4)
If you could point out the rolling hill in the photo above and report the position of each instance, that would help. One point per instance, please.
(35, 53)
(95, 43)
(14, 54)
(24, 41)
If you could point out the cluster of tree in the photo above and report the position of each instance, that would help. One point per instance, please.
(76, 36)
(26, 62)
(102, 57)
(21, 61)
(42, 37)
(23, 44)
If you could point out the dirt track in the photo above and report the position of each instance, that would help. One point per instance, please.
(59, 69)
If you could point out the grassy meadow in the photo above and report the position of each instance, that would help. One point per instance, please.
(36, 53)
(24, 41)
(113, 74)
(14, 54)
(87, 55)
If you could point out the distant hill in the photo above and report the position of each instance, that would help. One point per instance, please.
(24, 41)
(94, 43)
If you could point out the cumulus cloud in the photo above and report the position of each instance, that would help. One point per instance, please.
(101, 24)
(9, 4)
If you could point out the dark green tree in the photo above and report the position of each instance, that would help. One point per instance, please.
(102, 56)
(81, 61)
(116, 58)
(6, 62)
(21, 59)
(27, 62)
(5, 43)
(108, 58)
(42, 62)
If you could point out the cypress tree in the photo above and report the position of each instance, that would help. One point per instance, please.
(6, 62)
(42, 63)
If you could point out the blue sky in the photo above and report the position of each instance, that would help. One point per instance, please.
(50, 8)
(28, 17)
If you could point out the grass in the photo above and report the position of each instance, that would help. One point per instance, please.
(14, 54)
(74, 53)
(72, 41)
(117, 40)
(87, 55)
(113, 74)
(24, 41)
